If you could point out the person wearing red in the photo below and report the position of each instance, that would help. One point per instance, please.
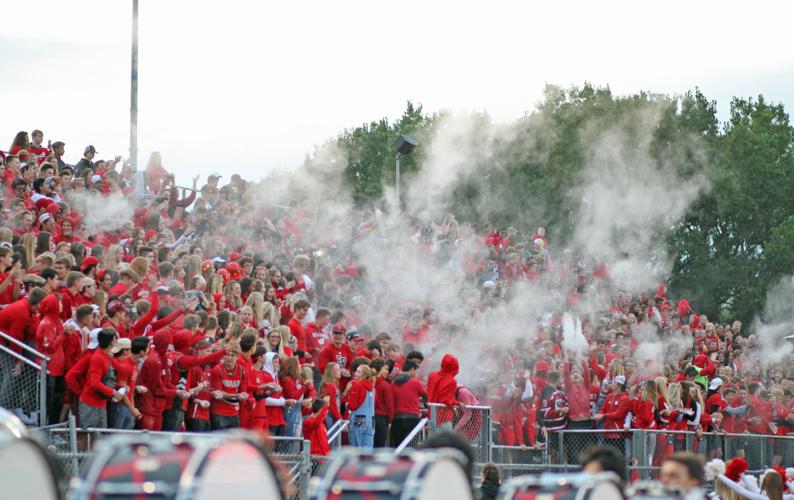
(315, 332)
(714, 401)
(17, 320)
(337, 352)
(441, 388)
(260, 390)
(406, 392)
(329, 387)
(276, 402)
(315, 430)
(229, 387)
(579, 390)
(360, 399)
(10, 276)
(49, 341)
(247, 349)
(614, 411)
(156, 378)
(179, 364)
(197, 416)
(300, 310)
(289, 375)
(100, 384)
(384, 403)
(74, 284)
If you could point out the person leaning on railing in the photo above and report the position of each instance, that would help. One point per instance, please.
(16, 319)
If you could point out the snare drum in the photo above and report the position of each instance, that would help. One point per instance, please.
(563, 487)
(27, 471)
(417, 475)
(176, 467)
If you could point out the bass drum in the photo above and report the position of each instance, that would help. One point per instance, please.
(578, 486)
(27, 470)
(195, 468)
(417, 475)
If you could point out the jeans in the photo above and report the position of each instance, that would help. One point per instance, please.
(91, 416)
(119, 416)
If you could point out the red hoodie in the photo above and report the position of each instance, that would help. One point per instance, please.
(50, 336)
(441, 387)
(156, 377)
(315, 431)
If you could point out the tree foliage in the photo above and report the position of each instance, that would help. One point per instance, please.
(735, 240)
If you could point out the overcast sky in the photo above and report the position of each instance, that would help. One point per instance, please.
(249, 86)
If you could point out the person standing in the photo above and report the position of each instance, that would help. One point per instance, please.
(100, 383)
(361, 403)
(229, 386)
(406, 391)
(384, 402)
(156, 378)
(441, 388)
(337, 352)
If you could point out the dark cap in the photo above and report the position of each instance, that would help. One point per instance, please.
(90, 149)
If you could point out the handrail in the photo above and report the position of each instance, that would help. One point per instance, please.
(468, 407)
(411, 435)
(19, 358)
(337, 430)
(24, 346)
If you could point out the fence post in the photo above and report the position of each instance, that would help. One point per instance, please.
(641, 446)
(43, 393)
(73, 443)
(432, 423)
(489, 435)
(306, 469)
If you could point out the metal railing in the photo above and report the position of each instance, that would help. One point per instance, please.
(472, 422)
(416, 436)
(335, 433)
(24, 381)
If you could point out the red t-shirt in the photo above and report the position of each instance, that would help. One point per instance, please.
(233, 382)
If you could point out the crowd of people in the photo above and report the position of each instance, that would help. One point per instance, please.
(211, 308)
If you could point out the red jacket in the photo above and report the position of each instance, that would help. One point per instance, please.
(358, 393)
(441, 387)
(314, 430)
(95, 392)
(76, 375)
(642, 412)
(616, 407)
(332, 391)
(296, 329)
(156, 377)
(50, 336)
(15, 320)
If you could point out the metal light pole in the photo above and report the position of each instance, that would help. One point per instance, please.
(403, 146)
(134, 90)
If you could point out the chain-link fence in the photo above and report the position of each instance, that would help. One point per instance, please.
(23, 381)
(471, 422)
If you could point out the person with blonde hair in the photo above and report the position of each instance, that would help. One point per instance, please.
(275, 342)
(360, 399)
(232, 293)
(113, 257)
(329, 387)
(256, 302)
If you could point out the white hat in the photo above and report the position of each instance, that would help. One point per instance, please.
(715, 384)
(489, 284)
(620, 379)
(45, 217)
(93, 338)
(95, 179)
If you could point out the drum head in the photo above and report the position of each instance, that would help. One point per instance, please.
(27, 472)
(237, 470)
(445, 478)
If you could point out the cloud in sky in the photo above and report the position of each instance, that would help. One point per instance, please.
(250, 86)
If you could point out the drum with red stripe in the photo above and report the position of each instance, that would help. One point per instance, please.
(578, 486)
(417, 475)
(177, 467)
(27, 470)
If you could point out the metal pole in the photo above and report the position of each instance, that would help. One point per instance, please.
(73, 444)
(134, 90)
(43, 393)
(397, 179)
(306, 469)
